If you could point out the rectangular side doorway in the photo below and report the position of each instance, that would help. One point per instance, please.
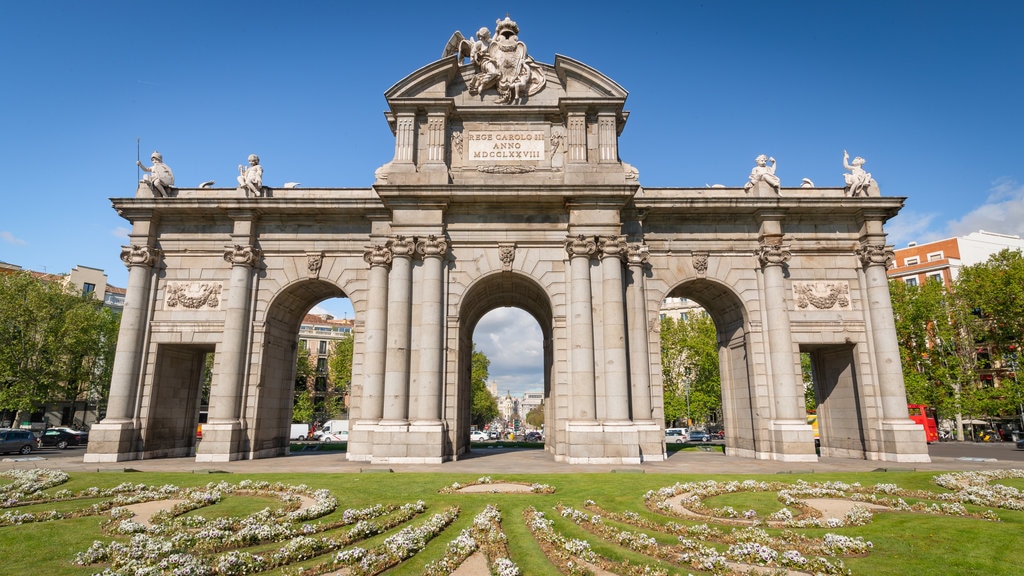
(840, 412)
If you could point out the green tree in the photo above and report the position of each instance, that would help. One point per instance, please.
(994, 291)
(55, 344)
(535, 417)
(689, 360)
(339, 364)
(484, 408)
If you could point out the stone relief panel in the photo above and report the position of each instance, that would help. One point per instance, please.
(822, 295)
(194, 295)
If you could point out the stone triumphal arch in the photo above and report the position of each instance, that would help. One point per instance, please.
(507, 189)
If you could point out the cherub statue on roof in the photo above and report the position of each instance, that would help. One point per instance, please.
(858, 181)
(501, 62)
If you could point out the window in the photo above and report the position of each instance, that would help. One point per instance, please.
(323, 347)
(321, 365)
(911, 281)
(303, 345)
(88, 288)
(911, 261)
(935, 256)
(935, 278)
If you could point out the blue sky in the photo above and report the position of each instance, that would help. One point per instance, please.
(930, 93)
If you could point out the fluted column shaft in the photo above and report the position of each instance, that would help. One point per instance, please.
(639, 347)
(226, 392)
(376, 330)
(584, 406)
(616, 373)
(396, 372)
(124, 378)
(433, 250)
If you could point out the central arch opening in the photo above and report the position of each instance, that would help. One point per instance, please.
(500, 293)
(733, 420)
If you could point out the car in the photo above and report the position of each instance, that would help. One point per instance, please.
(15, 440)
(675, 435)
(478, 436)
(1020, 444)
(61, 438)
(493, 435)
(698, 436)
(340, 436)
(534, 436)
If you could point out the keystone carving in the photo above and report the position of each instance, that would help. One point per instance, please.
(507, 255)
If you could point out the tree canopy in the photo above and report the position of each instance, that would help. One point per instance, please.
(484, 408)
(54, 344)
(689, 363)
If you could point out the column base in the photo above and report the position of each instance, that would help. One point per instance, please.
(111, 441)
(398, 442)
(791, 441)
(902, 441)
(222, 442)
(617, 442)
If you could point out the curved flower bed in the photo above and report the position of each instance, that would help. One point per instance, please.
(297, 538)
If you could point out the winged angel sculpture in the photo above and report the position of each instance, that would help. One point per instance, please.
(501, 62)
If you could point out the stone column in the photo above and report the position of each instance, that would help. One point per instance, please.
(432, 250)
(113, 439)
(124, 380)
(792, 437)
(788, 403)
(616, 373)
(876, 259)
(376, 332)
(584, 407)
(222, 435)
(396, 374)
(639, 344)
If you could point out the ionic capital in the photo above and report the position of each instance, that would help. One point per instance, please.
(432, 247)
(613, 247)
(875, 255)
(637, 254)
(378, 255)
(773, 255)
(242, 255)
(402, 247)
(580, 246)
(139, 255)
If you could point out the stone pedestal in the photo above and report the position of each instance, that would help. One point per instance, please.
(221, 442)
(792, 441)
(902, 441)
(111, 442)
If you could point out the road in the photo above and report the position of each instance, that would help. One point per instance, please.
(967, 453)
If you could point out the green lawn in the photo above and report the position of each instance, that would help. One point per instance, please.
(903, 542)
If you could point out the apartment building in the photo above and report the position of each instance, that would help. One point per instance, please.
(942, 260)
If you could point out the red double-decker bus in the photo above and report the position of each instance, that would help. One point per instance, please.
(925, 416)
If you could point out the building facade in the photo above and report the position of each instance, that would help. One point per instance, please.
(942, 260)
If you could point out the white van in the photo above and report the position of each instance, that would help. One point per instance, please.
(675, 435)
(334, 431)
(299, 431)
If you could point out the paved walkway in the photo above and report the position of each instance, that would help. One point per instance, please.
(486, 461)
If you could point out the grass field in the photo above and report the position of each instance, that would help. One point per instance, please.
(408, 523)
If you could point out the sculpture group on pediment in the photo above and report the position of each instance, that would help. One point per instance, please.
(501, 62)
(159, 177)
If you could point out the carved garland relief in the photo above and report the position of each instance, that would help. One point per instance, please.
(194, 295)
(822, 295)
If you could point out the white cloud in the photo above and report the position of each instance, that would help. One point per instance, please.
(909, 226)
(1002, 212)
(511, 340)
(10, 238)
